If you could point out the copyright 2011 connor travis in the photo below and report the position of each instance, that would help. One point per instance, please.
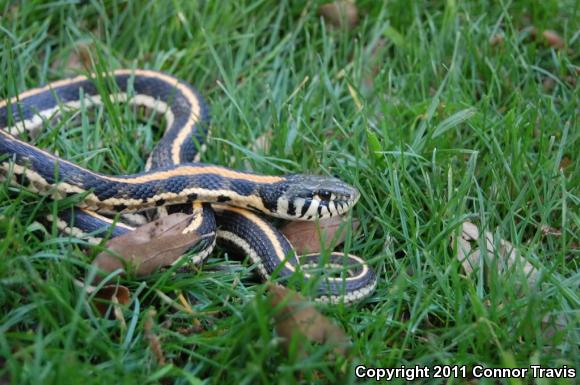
(416, 372)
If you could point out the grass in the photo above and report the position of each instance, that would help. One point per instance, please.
(414, 106)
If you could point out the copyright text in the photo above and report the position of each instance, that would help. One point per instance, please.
(461, 371)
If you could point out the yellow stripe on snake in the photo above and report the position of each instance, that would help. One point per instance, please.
(226, 202)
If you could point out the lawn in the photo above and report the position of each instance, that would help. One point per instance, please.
(439, 112)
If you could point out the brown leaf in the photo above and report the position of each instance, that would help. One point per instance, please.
(553, 324)
(531, 32)
(263, 142)
(565, 162)
(79, 58)
(307, 238)
(508, 255)
(496, 39)
(553, 39)
(262, 145)
(571, 80)
(116, 294)
(298, 319)
(341, 14)
(548, 84)
(154, 245)
(469, 260)
(549, 230)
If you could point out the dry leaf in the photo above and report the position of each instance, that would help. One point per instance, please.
(262, 143)
(376, 62)
(530, 31)
(341, 14)
(306, 237)
(507, 257)
(469, 260)
(298, 319)
(571, 80)
(496, 39)
(79, 58)
(549, 230)
(553, 324)
(565, 162)
(548, 84)
(553, 39)
(507, 254)
(154, 245)
(117, 294)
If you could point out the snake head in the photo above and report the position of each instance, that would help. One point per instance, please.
(308, 197)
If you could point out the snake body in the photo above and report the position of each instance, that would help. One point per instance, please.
(173, 180)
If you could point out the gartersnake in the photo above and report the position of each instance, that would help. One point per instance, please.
(174, 181)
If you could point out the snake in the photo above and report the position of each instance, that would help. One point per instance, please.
(228, 205)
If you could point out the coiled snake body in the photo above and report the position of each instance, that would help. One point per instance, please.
(172, 180)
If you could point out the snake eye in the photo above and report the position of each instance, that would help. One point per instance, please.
(324, 195)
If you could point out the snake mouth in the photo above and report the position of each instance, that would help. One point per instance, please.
(325, 208)
(308, 198)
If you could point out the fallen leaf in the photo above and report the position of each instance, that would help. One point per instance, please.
(262, 143)
(376, 59)
(548, 84)
(565, 162)
(469, 260)
(296, 320)
(190, 330)
(496, 39)
(553, 39)
(307, 237)
(553, 324)
(549, 230)
(154, 245)
(104, 296)
(341, 14)
(79, 58)
(507, 254)
(530, 32)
